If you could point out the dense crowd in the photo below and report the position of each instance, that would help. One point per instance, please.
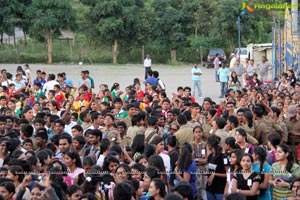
(60, 140)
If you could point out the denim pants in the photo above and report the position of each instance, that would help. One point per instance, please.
(216, 75)
(224, 88)
(212, 196)
(196, 84)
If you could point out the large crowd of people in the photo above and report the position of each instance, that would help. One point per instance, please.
(60, 140)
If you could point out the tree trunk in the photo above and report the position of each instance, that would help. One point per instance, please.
(1, 40)
(25, 38)
(124, 52)
(173, 55)
(49, 41)
(15, 43)
(115, 52)
(143, 53)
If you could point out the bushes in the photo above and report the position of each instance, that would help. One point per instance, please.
(87, 52)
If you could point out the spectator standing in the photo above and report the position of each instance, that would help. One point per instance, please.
(196, 73)
(238, 69)
(251, 69)
(263, 68)
(223, 74)
(147, 64)
(216, 67)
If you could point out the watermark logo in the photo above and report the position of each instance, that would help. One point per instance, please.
(246, 8)
(274, 6)
(271, 8)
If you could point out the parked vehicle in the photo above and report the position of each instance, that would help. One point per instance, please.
(211, 54)
(241, 56)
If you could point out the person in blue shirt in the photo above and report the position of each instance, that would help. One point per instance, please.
(223, 74)
(153, 81)
(67, 81)
(186, 168)
(263, 168)
(39, 79)
(196, 73)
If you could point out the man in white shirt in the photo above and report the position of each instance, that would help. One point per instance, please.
(147, 65)
(49, 85)
(263, 67)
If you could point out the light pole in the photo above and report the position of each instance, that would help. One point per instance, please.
(244, 12)
(239, 36)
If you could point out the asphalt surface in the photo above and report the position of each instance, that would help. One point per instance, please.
(172, 76)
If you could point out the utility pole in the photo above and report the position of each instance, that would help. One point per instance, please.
(239, 35)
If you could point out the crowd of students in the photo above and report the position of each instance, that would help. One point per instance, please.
(59, 140)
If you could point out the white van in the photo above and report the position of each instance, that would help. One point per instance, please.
(242, 56)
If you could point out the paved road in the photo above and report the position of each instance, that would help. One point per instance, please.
(173, 76)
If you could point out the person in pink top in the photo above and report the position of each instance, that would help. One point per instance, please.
(216, 67)
(73, 162)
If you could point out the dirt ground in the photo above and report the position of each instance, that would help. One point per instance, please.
(172, 76)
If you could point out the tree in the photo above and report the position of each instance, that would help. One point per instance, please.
(22, 18)
(115, 20)
(7, 18)
(169, 24)
(49, 17)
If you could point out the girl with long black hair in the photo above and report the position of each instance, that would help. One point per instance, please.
(73, 162)
(291, 78)
(138, 145)
(217, 169)
(186, 167)
(246, 181)
(234, 160)
(263, 168)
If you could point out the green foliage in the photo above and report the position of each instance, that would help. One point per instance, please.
(170, 31)
(63, 51)
(114, 19)
(159, 25)
(50, 15)
(21, 14)
(80, 11)
(7, 16)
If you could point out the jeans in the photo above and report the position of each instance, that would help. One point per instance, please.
(203, 194)
(224, 88)
(197, 84)
(216, 75)
(212, 196)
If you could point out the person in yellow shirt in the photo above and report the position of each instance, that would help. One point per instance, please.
(81, 102)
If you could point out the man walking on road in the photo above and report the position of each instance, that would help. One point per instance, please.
(196, 73)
